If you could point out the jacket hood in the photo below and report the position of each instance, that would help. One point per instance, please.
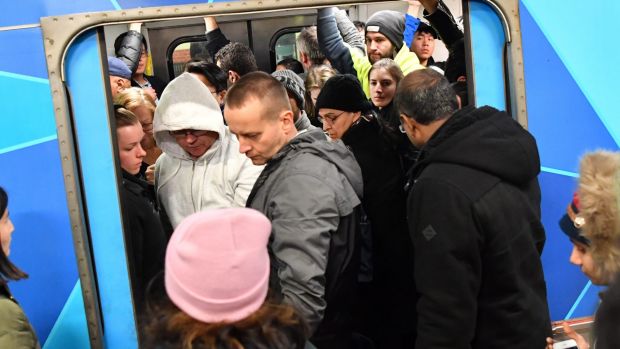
(186, 103)
(599, 198)
(314, 141)
(484, 139)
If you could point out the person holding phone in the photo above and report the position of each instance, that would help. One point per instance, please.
(592, 223)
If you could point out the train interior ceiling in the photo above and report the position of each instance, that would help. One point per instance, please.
(271, 35)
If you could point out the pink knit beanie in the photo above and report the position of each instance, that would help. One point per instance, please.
(217, 265)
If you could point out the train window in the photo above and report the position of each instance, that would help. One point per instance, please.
(285, 46)
(184, 50)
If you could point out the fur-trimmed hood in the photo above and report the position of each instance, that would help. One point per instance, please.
(599, 193)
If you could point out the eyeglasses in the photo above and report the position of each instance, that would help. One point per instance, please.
(330, 118)
(185, 133)
(401, 127)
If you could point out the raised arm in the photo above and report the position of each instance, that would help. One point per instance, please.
(130, 48)
(440, 18)
(350, 34)
(216, 40)
(332, 43)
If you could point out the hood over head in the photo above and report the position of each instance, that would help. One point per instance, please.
(186, 103)
(487, 140)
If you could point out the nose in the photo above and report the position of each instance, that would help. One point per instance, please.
(244, 147)
(372, 46)
(575, 257)
(190, 138)
(141, 151)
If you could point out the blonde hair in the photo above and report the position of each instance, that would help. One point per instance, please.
(316, 78)
(599, 196)
(134, 97)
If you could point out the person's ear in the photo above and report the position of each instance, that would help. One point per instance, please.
(221, 96)
(287, 121)
(233, 76)
(118, 85)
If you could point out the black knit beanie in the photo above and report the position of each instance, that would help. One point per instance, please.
(389, 23)
(342, 92)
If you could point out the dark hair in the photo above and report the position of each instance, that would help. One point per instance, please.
(276, 326)
(308, 43)
(7, 269)
(291, 63)
(119, 40)
(427, 29)
(236, 57)
(359, 25)
(426, 96)
(262, 86)
(214, 74)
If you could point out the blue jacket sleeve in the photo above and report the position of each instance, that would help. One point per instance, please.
(411, 25)
(331, 42)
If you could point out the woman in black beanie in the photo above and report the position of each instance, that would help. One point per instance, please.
(346, 114)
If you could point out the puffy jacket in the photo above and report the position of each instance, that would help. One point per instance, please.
(474, 218)
(221, 177)
(130, 49)
(15, 329)
(310, 190)
(384, 201)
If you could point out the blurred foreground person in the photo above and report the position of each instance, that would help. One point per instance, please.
(15, 329)
(474, 217)
(217, 277)
(592, 222)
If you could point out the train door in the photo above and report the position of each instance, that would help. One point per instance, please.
(76, 46)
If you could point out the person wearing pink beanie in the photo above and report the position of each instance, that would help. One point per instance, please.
(217, 279)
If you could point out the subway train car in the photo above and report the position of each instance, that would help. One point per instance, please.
(538, 60)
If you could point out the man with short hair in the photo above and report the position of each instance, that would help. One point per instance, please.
(308, 49)
(423, 44)
(344, 47)
(235, 59)
(201, 167)
(296, 91)
(310, 190)
(120, 75)
(474, 218)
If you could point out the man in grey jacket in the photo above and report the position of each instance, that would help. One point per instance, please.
(310, 190)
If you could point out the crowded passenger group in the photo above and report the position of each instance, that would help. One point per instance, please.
(350, 199)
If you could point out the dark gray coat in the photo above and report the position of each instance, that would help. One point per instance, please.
(310, 190)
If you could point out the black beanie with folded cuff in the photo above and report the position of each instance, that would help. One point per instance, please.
(343, 92)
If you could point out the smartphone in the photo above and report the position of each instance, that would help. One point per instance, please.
(568, 344)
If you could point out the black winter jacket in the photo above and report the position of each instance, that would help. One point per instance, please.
(474, 218)
(144, 236)
(384, 202)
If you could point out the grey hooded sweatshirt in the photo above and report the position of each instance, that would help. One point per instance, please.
(221, 177)
(311, 190)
